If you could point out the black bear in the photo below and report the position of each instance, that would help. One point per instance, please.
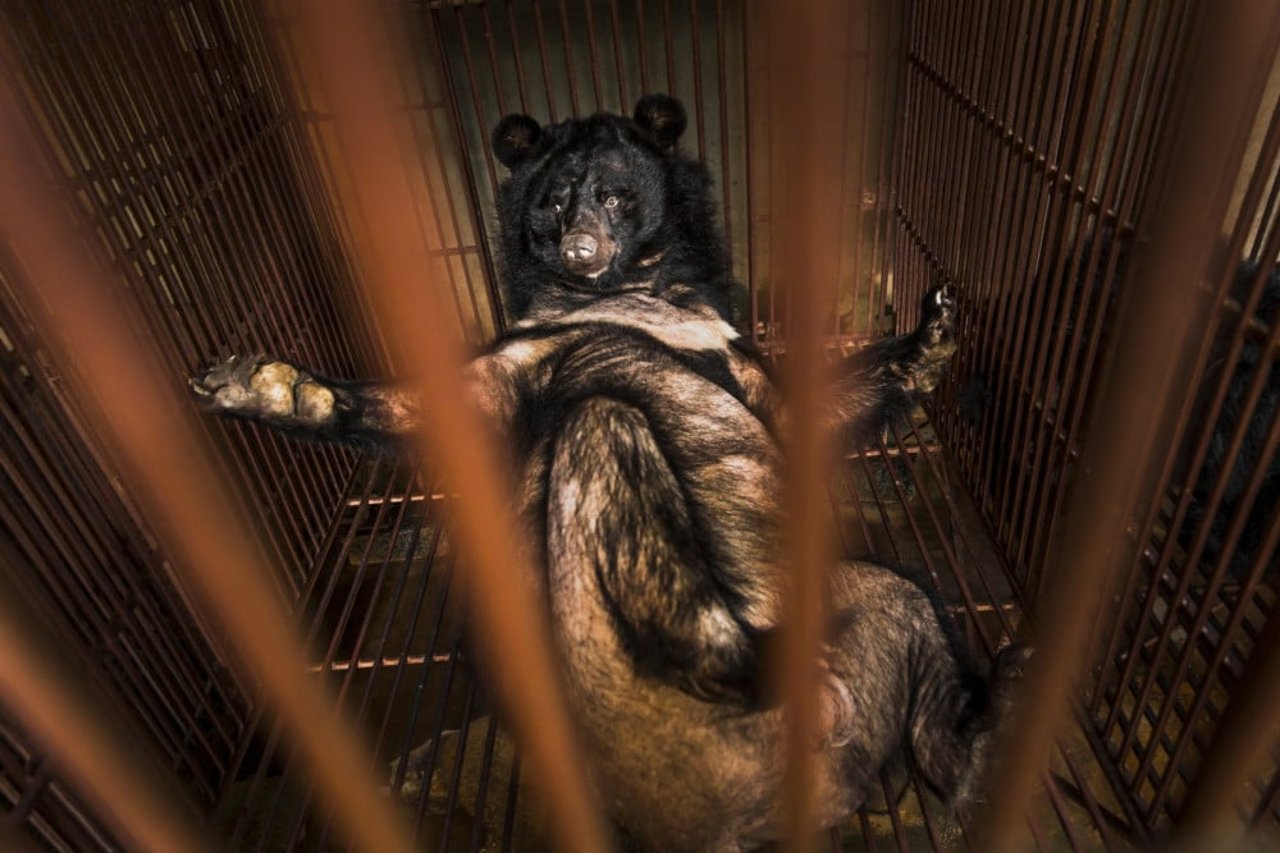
(646, 431)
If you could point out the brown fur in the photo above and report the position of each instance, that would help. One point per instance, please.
(651, 469)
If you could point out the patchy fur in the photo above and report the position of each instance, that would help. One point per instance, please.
(647, 435)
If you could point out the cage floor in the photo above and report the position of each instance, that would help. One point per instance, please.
(381, 623)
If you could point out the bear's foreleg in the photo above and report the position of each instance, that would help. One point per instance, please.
(884, 380)
(294, 400)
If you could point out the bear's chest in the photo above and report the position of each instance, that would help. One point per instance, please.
(708, 408)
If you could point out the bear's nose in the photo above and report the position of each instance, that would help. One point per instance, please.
(577, 248)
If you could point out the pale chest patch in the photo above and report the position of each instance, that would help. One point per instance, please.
(679, 328)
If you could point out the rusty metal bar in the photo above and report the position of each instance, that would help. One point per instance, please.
(545, 61)
(180, 491)
(1134, 398)
(1128, 209)
(429, 185)
(667, 43)
(699, 111)
(56, 708)
(424, 160)
(429, 766)
(1074, 278)
(806, 107)
(619, 69)
(858, 200)
(339, 629)
(593, 53)
(511, 629)
(474, 84)
(519, 62)
(468, 169)
(491, 50)
(415, 610)
(722, 105)
(641, 50)
(753, 290)
(307, 596)
(566, 46)
(450, 670)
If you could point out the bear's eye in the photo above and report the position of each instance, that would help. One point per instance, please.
(556, 207)
(611, 202)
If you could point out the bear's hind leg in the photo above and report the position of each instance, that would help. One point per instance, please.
(617, 509)
(910, 682)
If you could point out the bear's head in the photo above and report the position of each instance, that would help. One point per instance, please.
(604, 205)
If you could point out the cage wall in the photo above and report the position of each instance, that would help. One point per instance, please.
(172, 131)
(1045, 124)
(1027, 157)
(1199, 593)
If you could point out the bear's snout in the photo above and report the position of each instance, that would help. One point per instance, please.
(586, 254)
(578, 248)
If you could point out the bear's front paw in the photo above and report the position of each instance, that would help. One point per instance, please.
(263, 389)
(935, 339)
(938, 315)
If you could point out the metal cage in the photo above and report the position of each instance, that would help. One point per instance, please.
(1024, 151)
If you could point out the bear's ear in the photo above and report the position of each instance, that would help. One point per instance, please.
(663, 116)
(516, 139)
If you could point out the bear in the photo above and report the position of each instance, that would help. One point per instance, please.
(647, 435)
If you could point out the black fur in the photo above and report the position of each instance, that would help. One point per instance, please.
(649, 469)
(664, 208)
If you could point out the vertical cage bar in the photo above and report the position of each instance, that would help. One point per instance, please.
(509, 625)
(806, 110)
